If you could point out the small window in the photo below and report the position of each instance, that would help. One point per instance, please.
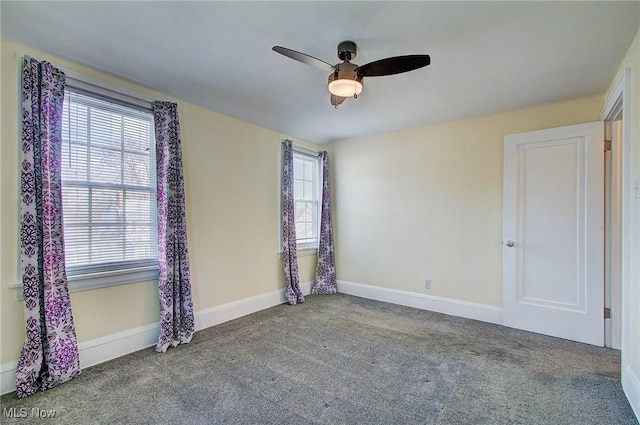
(108, 185)
(306, 194)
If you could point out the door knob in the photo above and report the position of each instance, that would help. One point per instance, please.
(510, 243)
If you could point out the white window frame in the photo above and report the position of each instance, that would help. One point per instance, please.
(102, 279)
(311, 248)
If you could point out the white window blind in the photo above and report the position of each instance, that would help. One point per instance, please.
(108, 185)
(306, 192)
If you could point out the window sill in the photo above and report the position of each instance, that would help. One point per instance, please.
(87, 282)
(302, 252)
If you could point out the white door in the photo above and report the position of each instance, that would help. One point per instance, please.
(553, 243)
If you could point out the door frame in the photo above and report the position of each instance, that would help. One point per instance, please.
(612, 229)
(618, 105)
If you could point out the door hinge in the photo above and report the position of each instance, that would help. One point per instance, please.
(607, 313)
(607, 145)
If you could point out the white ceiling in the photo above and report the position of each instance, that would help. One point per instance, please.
(486, 57)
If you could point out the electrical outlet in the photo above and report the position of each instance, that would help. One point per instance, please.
(427, 283)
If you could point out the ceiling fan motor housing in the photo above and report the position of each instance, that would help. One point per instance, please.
(347, 50)
(346, 71)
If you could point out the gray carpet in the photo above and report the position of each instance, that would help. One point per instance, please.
(339, 359)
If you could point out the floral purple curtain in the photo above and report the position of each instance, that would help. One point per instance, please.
(292, 290)
(176, 306)
(50, 353)
(325, 280)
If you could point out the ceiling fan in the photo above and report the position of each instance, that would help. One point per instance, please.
(346, 78)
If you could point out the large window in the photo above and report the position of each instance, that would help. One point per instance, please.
(108, 185)
(306, 193)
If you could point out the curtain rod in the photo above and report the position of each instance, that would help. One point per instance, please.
(88, 83)
(84, 80)
(302, 149)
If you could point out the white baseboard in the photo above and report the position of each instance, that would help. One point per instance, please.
(8, 377)
(223, 313)
(631, 387)
(99, 350)
(109, 347)
(469, 310)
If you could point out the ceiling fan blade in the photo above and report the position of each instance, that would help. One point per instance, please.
(304, 58)
(394, 65)
(337, 100)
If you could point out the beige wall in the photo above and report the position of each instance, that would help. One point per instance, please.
(427, 202)
(631, 271)
(232, 178)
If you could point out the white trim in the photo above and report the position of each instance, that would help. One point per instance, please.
(8, 377)
(620, 98)
(615, 101)
(469, 310)
(631, 387)
(223, 313)
(613, 260)
(90, 281)
(112, 278)
(109, 347)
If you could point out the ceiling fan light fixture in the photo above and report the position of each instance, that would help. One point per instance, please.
(345, 87)
(345, 82)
